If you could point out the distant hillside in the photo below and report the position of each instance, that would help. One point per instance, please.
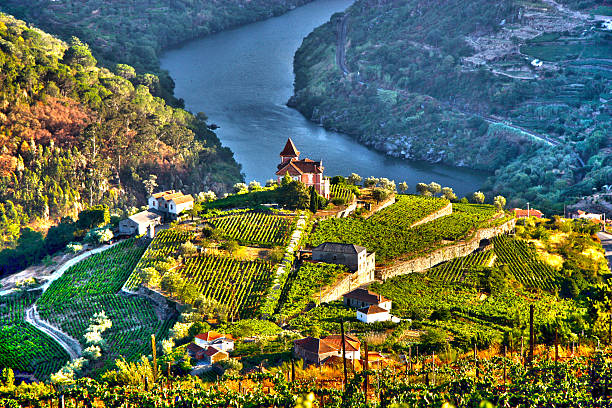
(453, 81)
(134, 32)
(73, 134)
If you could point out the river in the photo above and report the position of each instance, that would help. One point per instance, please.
(242, 79)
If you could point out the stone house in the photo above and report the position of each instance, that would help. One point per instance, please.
(315, 351)
(355, 257)
(360, 298)
(138, 224)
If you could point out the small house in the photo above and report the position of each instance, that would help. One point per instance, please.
(315, 351)
(138, 224)
(355, 257)
(360, 298)
(373, 313)
(171, 203)
(307, 171)
(214, 355)
(532, 212)
(223, 342)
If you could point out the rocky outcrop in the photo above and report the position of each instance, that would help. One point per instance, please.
(164, 308)
(445, 253)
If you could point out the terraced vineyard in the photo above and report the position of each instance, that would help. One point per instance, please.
(22, 346)
(523, 262)
(454, 271)
(239, 284)
(92, 286)
(388, 232)
(255, 228)
(340, 191)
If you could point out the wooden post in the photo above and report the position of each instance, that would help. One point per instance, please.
(366, 368)
(410, 356)
(154, 352)
(292, 369)
(522, 346)
(556, 346)
(343, 352)
(433, 367)
(610, 329)
(505, 351)
(531, 334)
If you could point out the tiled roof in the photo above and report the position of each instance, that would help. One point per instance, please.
(523, 213)
(298, 167)
(145, 217)
(335, 340)
(169, 197)
(290, 150)
(373, 309)
(339, 247)
(182, 199)
(163, 193)
(194, 348)
(366, 296)
(211, 351)
(210, 336)
(315, 345)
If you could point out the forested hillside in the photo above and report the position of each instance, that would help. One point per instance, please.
(134, 32)
(73, 134)
(461, 83)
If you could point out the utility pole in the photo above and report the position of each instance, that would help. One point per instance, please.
(531, 333)
(343, 352)
(365, 377)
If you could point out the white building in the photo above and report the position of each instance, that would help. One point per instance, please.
(138, 224)
(223, 342)
(171, 202)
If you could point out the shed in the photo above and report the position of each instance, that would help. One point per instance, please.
(138, 224)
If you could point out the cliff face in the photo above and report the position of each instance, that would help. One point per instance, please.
(455, 82)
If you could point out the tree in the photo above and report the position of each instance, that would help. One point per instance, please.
(387, 184)
(271, 182)
(230, 246)
(478, 197)
(403, 186)
(95, 216)
(195, 210)
(354, 179)
(370, 182)
(150, 184)
(448, 193)
(314, 200)
(207, 196)
(254, 186)
(293, 195)
(380, 194)
(499, 202)
(240, 187)
(434, 188)
(150, 276)
(423, 189)
(337, 180)
(188, 249)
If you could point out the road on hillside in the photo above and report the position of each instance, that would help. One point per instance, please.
(341, 62)
(606, 242)
(72, 347)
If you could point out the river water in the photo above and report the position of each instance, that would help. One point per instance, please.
(242, 79)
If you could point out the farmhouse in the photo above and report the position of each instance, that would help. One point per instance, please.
(360, 298)
(532, 212)
(138, 224)
(374, 313)
(355, 257)
(315, 351)
(307, 171)
(170, 203)
(223, 342)
(596, 218)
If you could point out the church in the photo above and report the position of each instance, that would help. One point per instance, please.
(307, 171)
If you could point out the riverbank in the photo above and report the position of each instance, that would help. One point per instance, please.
(244, 90)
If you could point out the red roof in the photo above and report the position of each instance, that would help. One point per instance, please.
(211, 351)
(523, 213)
(335, 340)
(213, 335)
(299, 167)
(314, 345)
(290, 150)
(373, 309)
(366, 296)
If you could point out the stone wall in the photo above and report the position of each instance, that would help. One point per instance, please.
(448, 210)
(444, 254)
(164, 307)
(348, 283)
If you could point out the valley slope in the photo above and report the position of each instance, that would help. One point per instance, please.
(453, 82)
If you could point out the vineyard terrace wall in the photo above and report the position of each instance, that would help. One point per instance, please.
(348, 283)
(444, 254)
(448, 210)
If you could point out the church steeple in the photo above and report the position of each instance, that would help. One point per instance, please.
(290, 152)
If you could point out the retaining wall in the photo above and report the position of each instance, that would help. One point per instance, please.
(448, 210)
(348, 283)
(443, 254)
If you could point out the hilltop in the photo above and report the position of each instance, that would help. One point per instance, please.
(518, 89)
(74, 134)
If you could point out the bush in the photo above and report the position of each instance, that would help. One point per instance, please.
(338, 201)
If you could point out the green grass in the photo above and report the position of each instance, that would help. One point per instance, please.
(602, 10)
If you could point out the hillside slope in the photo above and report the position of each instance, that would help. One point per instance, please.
(73, 134)
(135, 32)
(450, 81)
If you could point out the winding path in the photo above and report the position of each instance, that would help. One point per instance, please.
(71, 345)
